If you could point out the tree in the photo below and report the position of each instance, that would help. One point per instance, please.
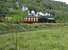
(7, 5)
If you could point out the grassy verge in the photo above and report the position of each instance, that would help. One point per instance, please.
(9, 28)
(49, 38)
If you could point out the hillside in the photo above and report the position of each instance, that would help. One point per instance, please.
(58, 9)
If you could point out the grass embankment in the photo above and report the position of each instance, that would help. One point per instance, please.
(48, 38)
(9, 28)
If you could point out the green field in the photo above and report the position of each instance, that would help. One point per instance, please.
(51, 38)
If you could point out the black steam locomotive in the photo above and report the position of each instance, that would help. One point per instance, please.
(39, 19)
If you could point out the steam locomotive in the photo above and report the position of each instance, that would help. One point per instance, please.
(39, 19)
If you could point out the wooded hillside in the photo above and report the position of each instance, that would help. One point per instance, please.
(59, 9)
